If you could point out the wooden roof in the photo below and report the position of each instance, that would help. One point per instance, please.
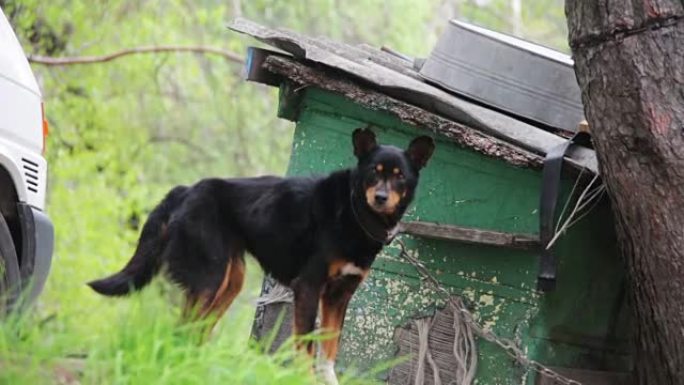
(383, 81)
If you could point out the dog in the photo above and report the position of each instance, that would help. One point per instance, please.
(317, 235)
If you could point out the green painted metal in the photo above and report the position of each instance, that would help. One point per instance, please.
(575, 326)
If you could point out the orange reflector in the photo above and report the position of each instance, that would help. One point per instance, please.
(45, 125)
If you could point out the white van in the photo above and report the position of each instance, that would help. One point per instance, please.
(26, 233)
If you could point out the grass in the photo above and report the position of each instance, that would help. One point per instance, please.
(138, 340)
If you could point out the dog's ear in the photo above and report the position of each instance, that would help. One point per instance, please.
(420, 150)
(364, 141)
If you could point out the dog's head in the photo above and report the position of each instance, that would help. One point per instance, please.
(387, 176)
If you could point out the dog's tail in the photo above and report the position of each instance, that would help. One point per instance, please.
(146, 260)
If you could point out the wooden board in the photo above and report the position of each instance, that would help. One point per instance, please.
(470, 235)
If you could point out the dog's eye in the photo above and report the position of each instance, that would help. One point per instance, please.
(396, 171)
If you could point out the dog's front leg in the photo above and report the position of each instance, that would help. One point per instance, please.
(306, 294)
(334, 300)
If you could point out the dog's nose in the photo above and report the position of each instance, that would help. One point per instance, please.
(380, 197)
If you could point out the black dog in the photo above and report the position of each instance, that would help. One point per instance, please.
(318, 236)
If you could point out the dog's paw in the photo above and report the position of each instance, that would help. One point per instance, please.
(326, 371)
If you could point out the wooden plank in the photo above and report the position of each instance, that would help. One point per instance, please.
(470, 235)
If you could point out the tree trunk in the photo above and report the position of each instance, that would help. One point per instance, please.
(629, 60)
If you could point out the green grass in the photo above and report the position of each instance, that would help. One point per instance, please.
(141, 343)
(138, 340)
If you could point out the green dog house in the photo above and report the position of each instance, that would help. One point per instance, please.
(474, 224)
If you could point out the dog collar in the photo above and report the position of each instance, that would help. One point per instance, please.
(382, 235)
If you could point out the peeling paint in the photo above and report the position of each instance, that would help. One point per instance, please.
(497, 285)
(486, 300)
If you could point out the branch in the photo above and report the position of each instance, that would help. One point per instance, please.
(182, 141)
(63, 61)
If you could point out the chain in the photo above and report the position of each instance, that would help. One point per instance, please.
(485, 333)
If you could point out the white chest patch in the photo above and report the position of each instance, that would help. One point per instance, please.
(351, 269)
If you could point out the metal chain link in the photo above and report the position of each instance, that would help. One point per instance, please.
(506, 344)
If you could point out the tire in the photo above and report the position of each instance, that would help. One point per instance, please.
(10, 278)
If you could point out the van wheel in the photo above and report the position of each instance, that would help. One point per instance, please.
(10, 280)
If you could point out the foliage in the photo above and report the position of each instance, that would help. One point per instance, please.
(131, 350)
(124, 132)
(539, 21)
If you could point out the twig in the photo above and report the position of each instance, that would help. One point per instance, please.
(567, 202)
(182, 141)
(578, 206)
(63, 61)
(596, 200)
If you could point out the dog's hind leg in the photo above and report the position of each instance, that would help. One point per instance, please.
(210, 306)
(231, 286)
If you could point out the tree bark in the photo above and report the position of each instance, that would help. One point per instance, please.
(629, 61)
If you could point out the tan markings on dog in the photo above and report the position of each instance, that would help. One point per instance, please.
(213, 305)
(335, 268)
(392, 202)
(379, 167)
(332, 317)
(396, 171)
(230, 287)
(370, 195)
(334, 301)
(222, 288)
